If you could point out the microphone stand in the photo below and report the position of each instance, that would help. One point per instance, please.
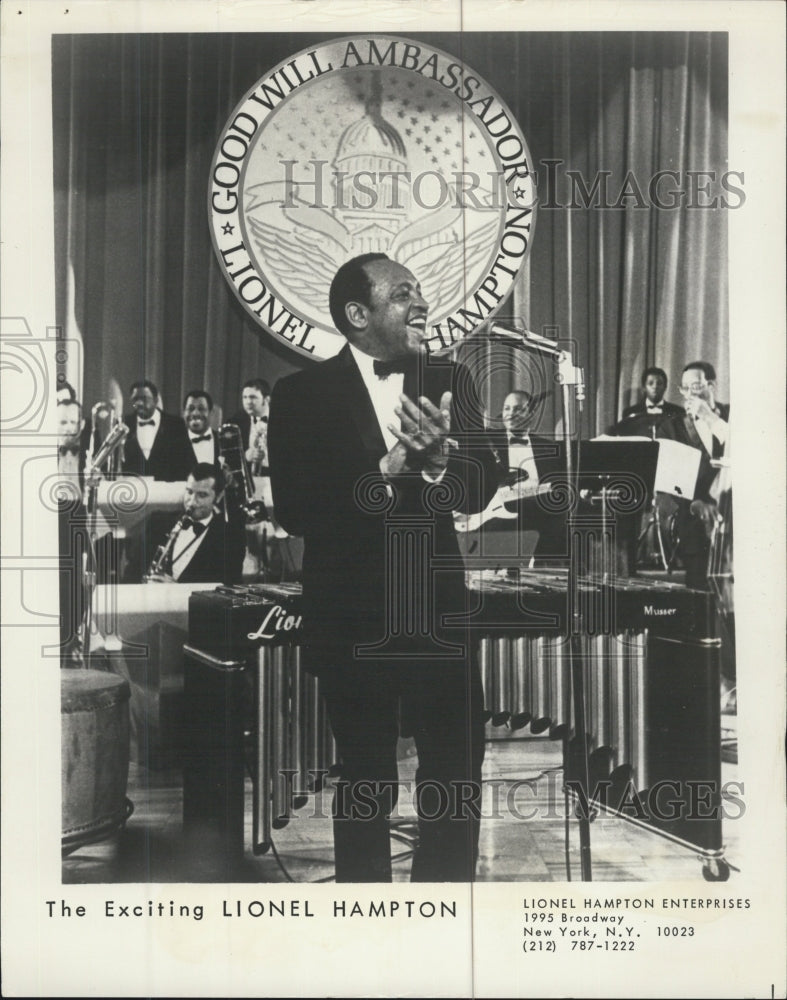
(115, 439)
(570, 378)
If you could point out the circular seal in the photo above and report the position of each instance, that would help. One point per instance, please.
(364, 144)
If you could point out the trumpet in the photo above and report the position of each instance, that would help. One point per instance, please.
(157, 568)
(240, 485)
(107, 434)
(258, 439)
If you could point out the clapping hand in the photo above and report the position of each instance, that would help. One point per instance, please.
(423, 443)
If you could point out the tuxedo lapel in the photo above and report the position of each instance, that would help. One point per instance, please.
(354, 395)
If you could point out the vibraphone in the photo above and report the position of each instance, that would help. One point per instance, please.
(650, 658)
(650, 663)
(249, 704)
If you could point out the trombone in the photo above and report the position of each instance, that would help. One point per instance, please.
(239, 483)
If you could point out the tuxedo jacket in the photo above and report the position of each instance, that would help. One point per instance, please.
(193, 458)
(683, 428)
(243, 420)
(220, 556)
(325, 445)
(547, 453)
(637, 422)
(171, 457)
(641, 410)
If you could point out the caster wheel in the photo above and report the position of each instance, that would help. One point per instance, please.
(716, 871)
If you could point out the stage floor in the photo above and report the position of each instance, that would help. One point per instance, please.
(522, 832)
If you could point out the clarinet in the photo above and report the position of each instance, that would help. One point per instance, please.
(163, 552)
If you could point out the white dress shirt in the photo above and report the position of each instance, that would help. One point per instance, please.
(203, 450)
(146, 434)
(186, 544)
(521, 457)
(384, 394)
(708, 433)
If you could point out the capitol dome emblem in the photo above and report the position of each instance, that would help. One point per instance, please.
(370, 144)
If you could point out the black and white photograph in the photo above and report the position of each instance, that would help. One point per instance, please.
(376, 385)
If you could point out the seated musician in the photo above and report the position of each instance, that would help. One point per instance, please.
(640, 420)
(206, 544)
(525, 463)
(703, 424)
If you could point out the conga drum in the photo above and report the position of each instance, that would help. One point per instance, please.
(94, 733)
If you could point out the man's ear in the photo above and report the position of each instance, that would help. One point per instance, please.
(357, 314)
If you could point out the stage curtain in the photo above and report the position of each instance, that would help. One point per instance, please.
(135, 121)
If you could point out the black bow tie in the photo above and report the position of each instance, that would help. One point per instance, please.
(202, 437)
(146, 423)
(69, 449)
(382, 369)
(657, 408)
(198, 528)
(259, 420)
(520, 439)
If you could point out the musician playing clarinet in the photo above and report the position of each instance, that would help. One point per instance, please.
(360, 445)
(207, 543)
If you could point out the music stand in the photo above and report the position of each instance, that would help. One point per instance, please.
(618, 475)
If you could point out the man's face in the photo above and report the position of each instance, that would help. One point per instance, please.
(396, 314)
(694, 383)
(196, 413)
(143, 402)
(199, 498)
(516, 412)
(655, 387)
(254, 403)
(69, 422)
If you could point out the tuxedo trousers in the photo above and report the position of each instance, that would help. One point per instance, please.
(441, 706)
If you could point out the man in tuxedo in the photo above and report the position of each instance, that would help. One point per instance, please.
(253, 422)
(197, 408)
(70, 450)
(526, 462)
(651, 412)
(157, 444)
(209, 546)
(702, 424)
(398, 442)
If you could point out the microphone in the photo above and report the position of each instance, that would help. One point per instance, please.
(498, 331)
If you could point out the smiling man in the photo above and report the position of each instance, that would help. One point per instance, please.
(395, 429)
(197, 408)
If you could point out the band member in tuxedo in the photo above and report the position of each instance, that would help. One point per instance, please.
(703, 424)
(70, 448)
(253, 422)
(197, 409)
(157, 444)
(207, 546)
(526, 461)
(644, 418)
(392, 424)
